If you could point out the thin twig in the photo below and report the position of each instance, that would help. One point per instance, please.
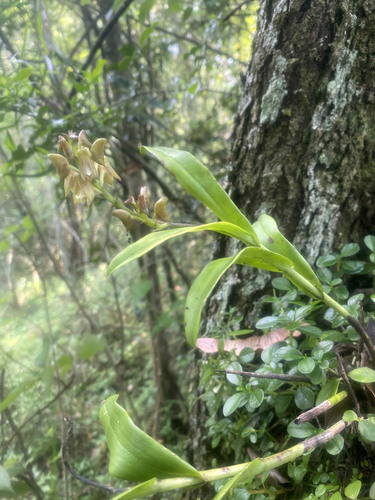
(322, 408)
(363, 334)
(103, 35)
(277, 376)
(348, 384)
(70, 468)
(39, 411)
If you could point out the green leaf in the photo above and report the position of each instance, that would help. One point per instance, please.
(363, 375)
(251, 470)
(370, 242)
(372, 491)
(349, 250)
(97, 71)
(232, 377)
(199, 182)
(199, 292)
(256, 398)
(288, 353)
(247, 355)
(282, 284)
(335, 445)
(145, 10)
(23, 74)
(139, 491)
(134, 455)
(232, 403)
(301, 431)
(311, 330)
(336, 496)
(270, 236)
(264, 259)
(326, 260)
(91, 345)
(5, 484)
(352, 490)
(367, 429)
(327, 391)
(306, 365)
(349, 416)
(146, 34)
(152, 240)
(304, 398)
(267, 322)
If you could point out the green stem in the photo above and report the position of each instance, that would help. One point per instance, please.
(329, 301)
(239, 473)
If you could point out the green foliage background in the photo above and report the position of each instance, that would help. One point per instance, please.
(165, 73)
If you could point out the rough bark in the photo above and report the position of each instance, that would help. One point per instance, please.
(303, 144)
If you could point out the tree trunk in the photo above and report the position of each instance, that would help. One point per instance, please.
(303, 144)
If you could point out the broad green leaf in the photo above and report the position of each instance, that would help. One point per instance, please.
(327, 391)
(200, 291)
(152, 240)
(210, 275)
(363, 375)
(199, 182)
(264, 259)
(270, 236)
(367, 429)
(134, 455)
(352, 490)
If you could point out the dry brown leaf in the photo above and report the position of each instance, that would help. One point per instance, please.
(210, 345)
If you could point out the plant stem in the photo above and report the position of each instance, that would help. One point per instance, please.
(239, 473)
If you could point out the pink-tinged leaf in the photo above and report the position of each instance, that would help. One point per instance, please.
(210, 345)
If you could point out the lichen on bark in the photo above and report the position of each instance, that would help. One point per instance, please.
(304, 141)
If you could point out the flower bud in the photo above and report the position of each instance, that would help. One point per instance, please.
(61, 164)
(107, 173)
(83, 141)
(66, 148)
(160, 210)
(130, 201)
(97, 150)
(143, 202)
(124, 217)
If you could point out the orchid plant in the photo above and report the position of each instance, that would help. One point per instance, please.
(134, 455)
